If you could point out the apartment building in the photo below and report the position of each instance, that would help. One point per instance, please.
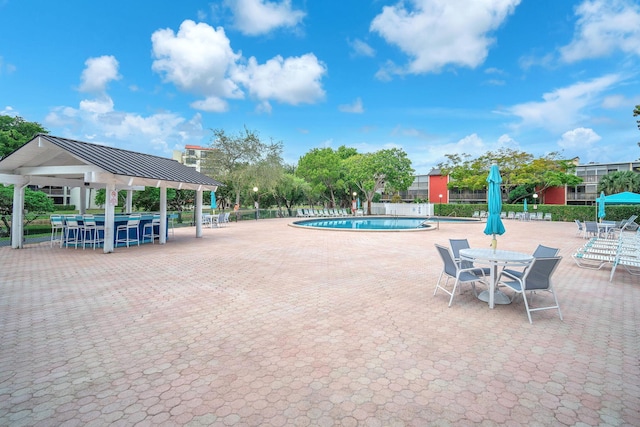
(433, 187)
(591, 174)
(194, 156)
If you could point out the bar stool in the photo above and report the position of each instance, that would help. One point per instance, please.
(91, 231)
(72, 231)
(57, 229)
(149, 229)
(171, 223)
(133, 223)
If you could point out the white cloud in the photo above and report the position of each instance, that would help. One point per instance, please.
(99, 117)
(361, 48)
(256, 17)
(162, 130)
(617, 101)
(507, 142)
(470, 144)
(292, 80)
(563, 108)
(494, 70)
(8, 111)
(436, 33)
(212, 104)
(356, 107)
(603, 27)
(98, 73)
(197, 59)
(470, 141)
(100, 105)
(579, 138)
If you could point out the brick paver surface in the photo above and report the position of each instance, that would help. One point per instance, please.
(262, 324)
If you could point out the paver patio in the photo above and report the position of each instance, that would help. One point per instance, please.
(261, 324)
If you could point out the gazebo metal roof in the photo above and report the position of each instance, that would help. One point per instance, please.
(52, 160)
(49, 160)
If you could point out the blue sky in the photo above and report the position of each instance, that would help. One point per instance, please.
(432, 77)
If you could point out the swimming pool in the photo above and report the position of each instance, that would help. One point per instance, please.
(377, 223)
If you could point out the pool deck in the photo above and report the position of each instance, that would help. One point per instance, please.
(262, 324)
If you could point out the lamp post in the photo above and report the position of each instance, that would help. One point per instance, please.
(256, 204)
(353, 203)
(440, 209)
(535, 201)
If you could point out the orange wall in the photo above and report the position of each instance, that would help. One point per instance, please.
(555, 196)
(437, 186)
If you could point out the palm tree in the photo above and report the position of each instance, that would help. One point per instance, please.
(616, 182)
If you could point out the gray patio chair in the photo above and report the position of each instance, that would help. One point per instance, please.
(452, 270)
(456, 245)
(590, 229)
(580, 228)
(540, 252)
(217, 220)
(536, 278)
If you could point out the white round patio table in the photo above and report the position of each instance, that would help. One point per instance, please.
(495, 258)
(605, 228)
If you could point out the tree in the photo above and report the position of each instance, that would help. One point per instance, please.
(616, 182)
(522, 174)
(636, 113)
(291, 191)
(371, 172)
(35, 203)
(322, 169)
(15, 132)
(242, 162)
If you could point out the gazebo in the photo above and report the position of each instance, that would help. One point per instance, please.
(54, 161)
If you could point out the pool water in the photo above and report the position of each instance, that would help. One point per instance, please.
(376, 223)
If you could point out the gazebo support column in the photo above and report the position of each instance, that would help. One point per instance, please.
(17, 216)
(197, 215)
(110, 217)
(163, 214)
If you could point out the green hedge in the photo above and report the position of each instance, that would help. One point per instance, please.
(558, 212)
(64, 208)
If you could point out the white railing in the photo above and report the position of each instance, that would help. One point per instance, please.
(402, 209)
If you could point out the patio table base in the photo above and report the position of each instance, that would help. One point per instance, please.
(499, 297)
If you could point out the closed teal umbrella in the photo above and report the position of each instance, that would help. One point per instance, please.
(494, 196)
(601, 212)
(213, 200)
(524, 208)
